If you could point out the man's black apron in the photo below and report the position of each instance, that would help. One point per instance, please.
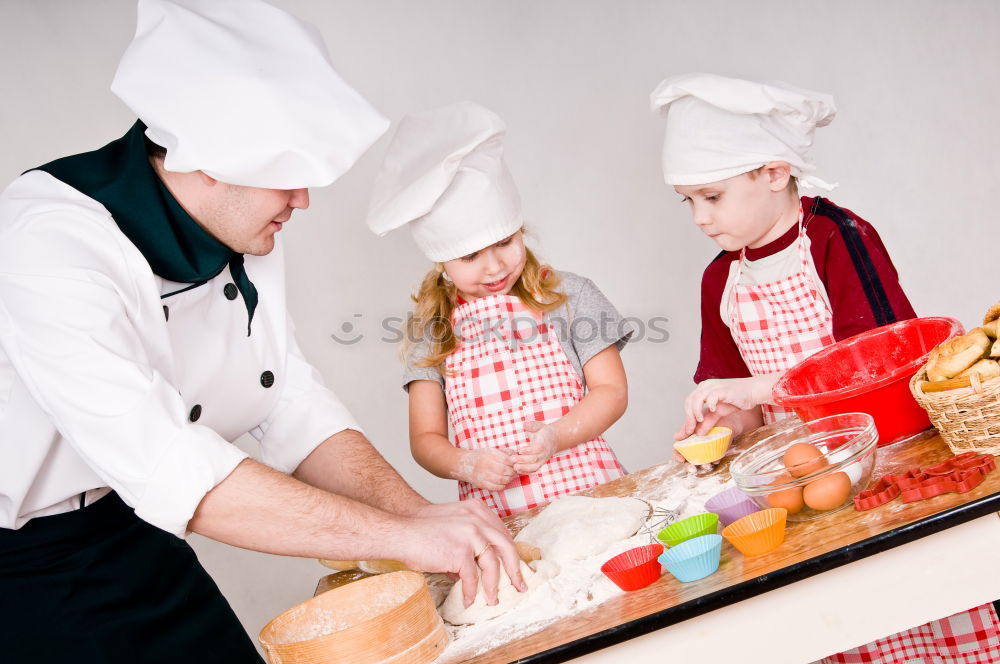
(101, 586)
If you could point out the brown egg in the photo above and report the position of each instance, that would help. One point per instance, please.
(828, 492)
(790, 499)
(802, 459)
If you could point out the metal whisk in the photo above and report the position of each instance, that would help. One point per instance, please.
(660, 519)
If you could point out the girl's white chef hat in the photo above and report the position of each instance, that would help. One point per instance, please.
(243, 91)
(444, 175)
(719, 127)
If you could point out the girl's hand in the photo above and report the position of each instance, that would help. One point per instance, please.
(723, 397)
(488, 469)
(540, 448)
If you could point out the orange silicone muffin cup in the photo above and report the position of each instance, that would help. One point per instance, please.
(758, 533)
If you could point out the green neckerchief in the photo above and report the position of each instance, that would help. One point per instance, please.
(120, 177)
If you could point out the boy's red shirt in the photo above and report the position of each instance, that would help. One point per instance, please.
(853, 264)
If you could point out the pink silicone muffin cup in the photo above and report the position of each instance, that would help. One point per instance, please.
(636, 568)
(731, 505)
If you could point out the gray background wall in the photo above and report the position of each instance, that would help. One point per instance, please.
(914, 149)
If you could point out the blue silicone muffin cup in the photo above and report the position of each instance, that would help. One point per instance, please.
(694, 559)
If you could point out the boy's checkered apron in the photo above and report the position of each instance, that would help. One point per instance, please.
(509, 369)
(969, 637)
(778, 324)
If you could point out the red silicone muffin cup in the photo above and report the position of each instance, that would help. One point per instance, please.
(636, 568)
(868, 373)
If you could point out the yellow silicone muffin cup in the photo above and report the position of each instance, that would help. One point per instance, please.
(759, 532)
(706, 451)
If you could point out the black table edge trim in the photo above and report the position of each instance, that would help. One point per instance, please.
(777, 579)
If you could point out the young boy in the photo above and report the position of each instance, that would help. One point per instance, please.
(794, 275)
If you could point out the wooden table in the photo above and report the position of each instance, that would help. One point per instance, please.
(832, 583)
(835, 583)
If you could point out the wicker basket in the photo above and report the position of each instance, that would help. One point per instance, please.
(967, 417)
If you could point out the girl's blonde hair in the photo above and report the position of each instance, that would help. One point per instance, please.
(435, 301)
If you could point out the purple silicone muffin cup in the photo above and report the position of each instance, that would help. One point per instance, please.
(731, 505)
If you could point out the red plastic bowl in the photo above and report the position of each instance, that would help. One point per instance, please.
(868, 373)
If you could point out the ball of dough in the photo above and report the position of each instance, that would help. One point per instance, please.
(453, 608)
(577, 527)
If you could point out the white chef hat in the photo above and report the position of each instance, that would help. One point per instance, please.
(719, 127)
(243, 91)
(444, 175)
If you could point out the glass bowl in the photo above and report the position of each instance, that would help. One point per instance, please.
(847, 443)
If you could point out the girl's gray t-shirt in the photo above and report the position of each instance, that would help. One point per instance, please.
(586, 324)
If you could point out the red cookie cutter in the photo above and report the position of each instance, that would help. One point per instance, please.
(958, 482)
(883, 491)
(963, 462)
(960, 473)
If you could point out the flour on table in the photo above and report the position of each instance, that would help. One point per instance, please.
(454, 611)
(580, 586)
(575, 527)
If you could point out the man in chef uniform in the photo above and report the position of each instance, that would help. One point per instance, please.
(143, 328)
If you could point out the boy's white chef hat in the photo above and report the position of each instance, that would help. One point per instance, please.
(444, 175)
(719, 127)
(243, 91)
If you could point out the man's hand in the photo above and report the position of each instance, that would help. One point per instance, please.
(463, 538)
(542, 445)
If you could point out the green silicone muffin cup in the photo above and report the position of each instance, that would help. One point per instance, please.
(689, 528)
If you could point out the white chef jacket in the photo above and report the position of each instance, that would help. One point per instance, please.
(105, 384)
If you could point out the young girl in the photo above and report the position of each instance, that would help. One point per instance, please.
(522, 361)
(794, 275)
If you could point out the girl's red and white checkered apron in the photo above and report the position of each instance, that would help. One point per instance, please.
(508, 369)
(777, 325)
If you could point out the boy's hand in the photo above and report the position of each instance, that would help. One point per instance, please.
(540, 448)
(708, 421)
(489, 469)
(722, 397)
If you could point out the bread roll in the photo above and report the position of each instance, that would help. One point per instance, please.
(339, 565)
(945, 385)
(985, 368)
(995, 350)
(992, 314)
(991, 328)
(956, 355)
(381, 566)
